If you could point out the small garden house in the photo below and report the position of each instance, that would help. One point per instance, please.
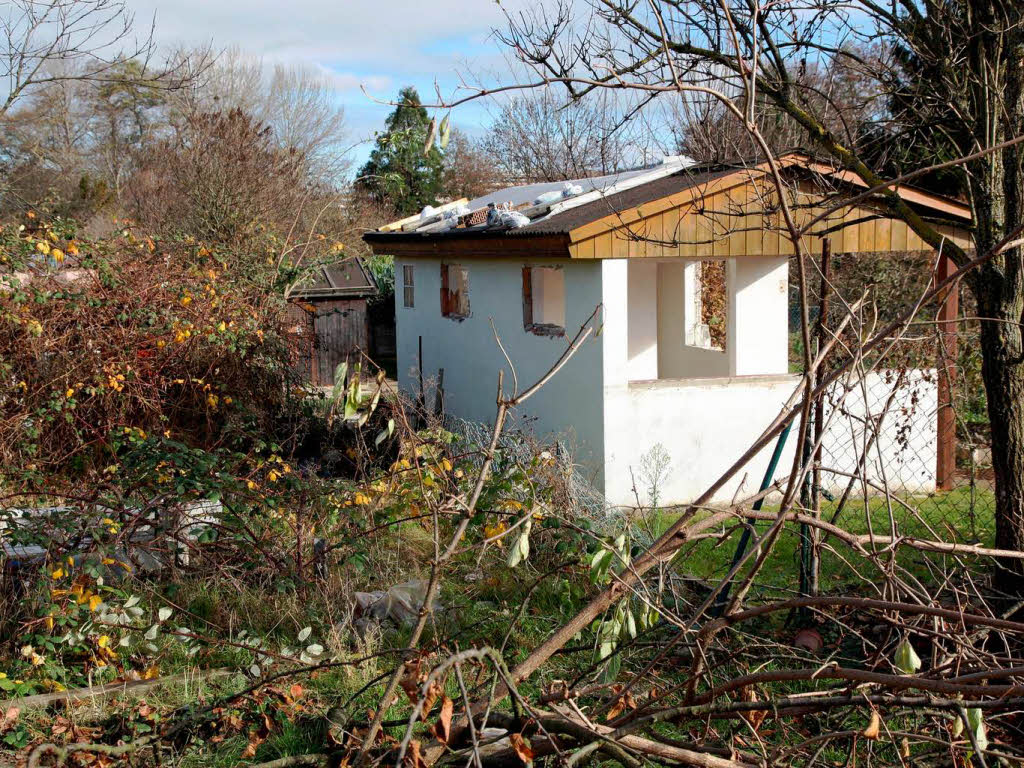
(328, 319)
(688, 269)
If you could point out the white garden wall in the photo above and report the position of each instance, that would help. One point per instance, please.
(904, 454)
(704, 425)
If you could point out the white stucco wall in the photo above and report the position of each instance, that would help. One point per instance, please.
(703, 424)
(569, 404)
(758, 315)
(706, 424)
(612, 420)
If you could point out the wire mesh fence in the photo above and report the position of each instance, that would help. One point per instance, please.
(889, 426)
(873, 456)
(930, 464)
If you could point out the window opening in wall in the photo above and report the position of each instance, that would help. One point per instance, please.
(544, 300)
(454, 291)
(408, 286)
(706, 304)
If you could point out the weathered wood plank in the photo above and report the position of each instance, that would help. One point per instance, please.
(604, 246)
(671, 231)
(586, 249)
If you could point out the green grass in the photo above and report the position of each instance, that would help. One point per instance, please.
(945, 516)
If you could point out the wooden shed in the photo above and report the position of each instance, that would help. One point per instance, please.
(329, 319)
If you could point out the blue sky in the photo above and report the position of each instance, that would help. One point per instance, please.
(379, 45)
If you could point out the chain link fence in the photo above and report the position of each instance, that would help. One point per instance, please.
(928, 470)
(888, 425)
(875, 478)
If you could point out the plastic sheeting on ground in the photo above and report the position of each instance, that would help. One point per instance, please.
(399, 605)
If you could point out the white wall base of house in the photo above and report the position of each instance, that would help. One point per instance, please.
(705, 425)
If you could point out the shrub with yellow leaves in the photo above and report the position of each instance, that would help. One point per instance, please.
(129, 330)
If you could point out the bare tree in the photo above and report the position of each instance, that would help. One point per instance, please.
(73, 137)
(539, 136)
(845, 98)
(301, 107)
(52, 127)
(298, 103)
(81, 94)
(469, 170)
(234, 81)
(221, 178)
(50, 41)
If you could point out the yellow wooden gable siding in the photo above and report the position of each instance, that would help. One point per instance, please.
(743, 220)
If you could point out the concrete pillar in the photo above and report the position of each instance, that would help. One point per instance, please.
(642, 299)
(758, 340)
(671, 318)
(618, 445)
(615, 317)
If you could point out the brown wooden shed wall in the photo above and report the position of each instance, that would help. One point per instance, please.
(342, 331)
(742, 220)
(327, 332)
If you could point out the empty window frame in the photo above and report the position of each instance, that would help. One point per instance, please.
(705, 304)
(544, 300)
(408, 286)
(454, 291)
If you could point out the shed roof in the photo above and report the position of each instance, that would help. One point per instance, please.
(524, 194)
(348, 279)
(567, 220)
(554, 228)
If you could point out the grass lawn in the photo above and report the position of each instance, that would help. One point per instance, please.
(956, 515)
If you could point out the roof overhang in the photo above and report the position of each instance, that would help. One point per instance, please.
(939, 205)
(467, 243)
(334, 293)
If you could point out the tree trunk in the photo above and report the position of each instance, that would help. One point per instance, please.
(995, 50)
(1003, 373)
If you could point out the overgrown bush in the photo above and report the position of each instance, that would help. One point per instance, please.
(129, 336)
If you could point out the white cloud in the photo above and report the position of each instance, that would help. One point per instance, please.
(365, 42)
(372, 45)
(348, 81)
